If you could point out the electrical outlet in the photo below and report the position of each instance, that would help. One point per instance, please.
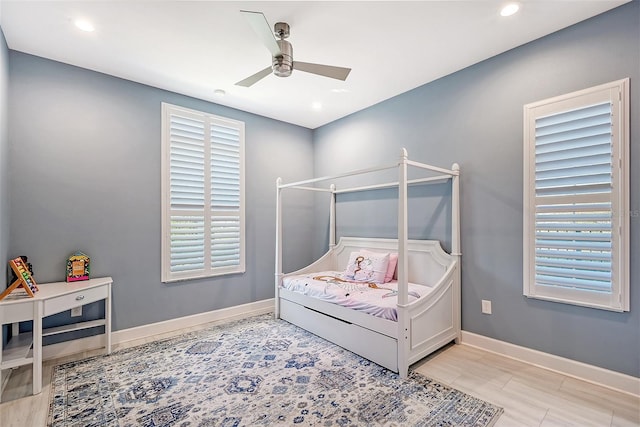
(76, 311)
(486, 306)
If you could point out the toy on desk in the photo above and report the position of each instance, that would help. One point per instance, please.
(24, 279)
(26, 262)
(77, 267)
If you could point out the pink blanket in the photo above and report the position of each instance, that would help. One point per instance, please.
(379, 300)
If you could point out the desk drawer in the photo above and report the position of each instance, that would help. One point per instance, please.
(74, 299)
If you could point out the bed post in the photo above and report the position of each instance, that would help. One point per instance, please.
(403, 266)
(278, 246)
(332, 217)
(455, 245)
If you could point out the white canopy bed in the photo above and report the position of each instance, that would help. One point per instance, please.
(347, 298)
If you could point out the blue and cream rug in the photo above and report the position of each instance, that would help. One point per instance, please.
(253, 372)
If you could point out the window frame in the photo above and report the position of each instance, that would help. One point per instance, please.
(208, 212)
(617, 93)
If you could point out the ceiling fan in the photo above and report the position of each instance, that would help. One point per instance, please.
(282, 52)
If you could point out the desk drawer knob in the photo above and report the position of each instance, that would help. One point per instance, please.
(79, 297)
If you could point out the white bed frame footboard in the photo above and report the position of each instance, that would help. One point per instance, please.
(423, 325)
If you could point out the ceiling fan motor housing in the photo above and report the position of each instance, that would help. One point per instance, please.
(283, 63)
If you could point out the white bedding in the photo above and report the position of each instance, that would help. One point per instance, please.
(379, 300)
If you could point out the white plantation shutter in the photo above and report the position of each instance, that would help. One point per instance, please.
(226, 232)
(186, 160)
(225, 241)
(187, 243)
(225, 167)
(576, 187)
(202, 212)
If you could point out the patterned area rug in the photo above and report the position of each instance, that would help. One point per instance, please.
(257, 371)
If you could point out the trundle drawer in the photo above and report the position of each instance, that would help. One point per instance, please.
(75, 299)
(369, 344)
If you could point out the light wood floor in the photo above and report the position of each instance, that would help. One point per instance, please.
(530, 396)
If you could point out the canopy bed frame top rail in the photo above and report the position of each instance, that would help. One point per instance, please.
(402, 184)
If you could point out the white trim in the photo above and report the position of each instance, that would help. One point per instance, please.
(67, 348)
(224, 314)
(571, 368)
(70, 347)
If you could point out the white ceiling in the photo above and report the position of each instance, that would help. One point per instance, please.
(196, 47)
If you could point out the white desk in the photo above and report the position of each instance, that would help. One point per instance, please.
(52, 298)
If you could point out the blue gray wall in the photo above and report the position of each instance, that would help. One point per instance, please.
(85, 175)
(474, 117)
(4, 163)
(4, 156)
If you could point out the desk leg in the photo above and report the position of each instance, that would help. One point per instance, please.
(107, 324)
(37, 347)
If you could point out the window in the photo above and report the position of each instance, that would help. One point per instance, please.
(576, 192)
(202, 194)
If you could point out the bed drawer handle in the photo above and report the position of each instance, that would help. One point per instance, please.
(79, 297)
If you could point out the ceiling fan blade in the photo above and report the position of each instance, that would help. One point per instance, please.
(262, 28)
(255, 78)
(339, 73)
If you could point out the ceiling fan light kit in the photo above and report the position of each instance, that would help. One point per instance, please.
(282, 53)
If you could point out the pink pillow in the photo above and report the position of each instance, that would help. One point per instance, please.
(365, 266)
(391, 268)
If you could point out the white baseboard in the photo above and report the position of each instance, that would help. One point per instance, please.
(62, 349)
(593, 374)
(67, 348)
(167, 326)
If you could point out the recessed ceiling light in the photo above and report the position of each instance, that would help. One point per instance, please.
(509, 9)
(84, 25)
(219, 93)
(316, 105)
(339, 90)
